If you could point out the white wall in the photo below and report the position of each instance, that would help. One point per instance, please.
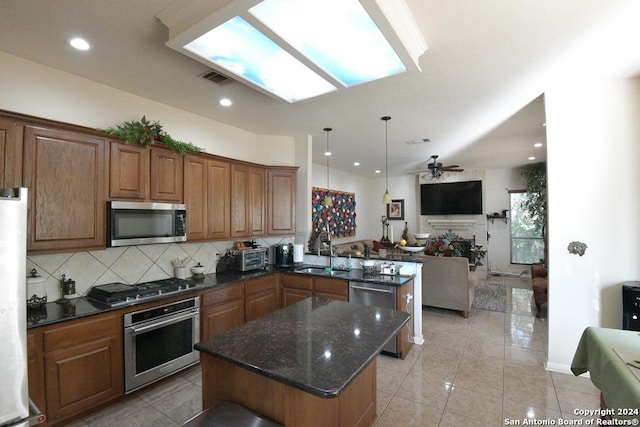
(40, 91)
(594, 197)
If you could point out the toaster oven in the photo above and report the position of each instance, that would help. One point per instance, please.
(249, 259)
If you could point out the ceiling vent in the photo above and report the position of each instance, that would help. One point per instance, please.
(216, 77)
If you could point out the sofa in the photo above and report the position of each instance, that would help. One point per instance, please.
(448, 283)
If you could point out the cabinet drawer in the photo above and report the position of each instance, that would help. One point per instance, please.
(221, 295)
(296, 281)
(261, 284)
(81, 332)
(332, 286)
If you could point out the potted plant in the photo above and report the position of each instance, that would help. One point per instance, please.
(146, 133)
(534, 178)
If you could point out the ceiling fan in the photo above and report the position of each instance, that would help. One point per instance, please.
(437, 169)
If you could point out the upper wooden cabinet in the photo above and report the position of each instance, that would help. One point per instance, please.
(129, 171)
(65, 173)
(247, 201)
(10, 153)
(142, 173)
(166, 175)
(207, 196)
(281, 205)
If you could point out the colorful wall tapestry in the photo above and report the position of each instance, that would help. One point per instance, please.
(340, 218)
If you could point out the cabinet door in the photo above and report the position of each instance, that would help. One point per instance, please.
(166, 175)
(281, 208)
(83, 376)
(336, 289)
(294, 288)
(10, 153)
(221, 318)
(83, 362)
(263, 296)
(240, 201)
(128, 171)
(35, 367)
(195, 197)
(219, 199)
(257, 208)
(65, 173)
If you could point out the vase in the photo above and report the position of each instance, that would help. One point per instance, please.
(180, 272)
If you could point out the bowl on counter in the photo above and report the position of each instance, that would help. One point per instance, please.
(413, 248)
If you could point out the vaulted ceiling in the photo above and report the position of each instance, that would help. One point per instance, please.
(478, 99)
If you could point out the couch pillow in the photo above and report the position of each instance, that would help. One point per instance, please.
(377, 246)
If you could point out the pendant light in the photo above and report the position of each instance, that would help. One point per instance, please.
(327, 201)
(386, 197)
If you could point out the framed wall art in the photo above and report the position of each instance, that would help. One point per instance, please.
(340, 218)
(395, 210)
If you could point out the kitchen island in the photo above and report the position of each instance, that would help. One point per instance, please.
(312, 363)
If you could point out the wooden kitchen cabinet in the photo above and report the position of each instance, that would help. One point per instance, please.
(35, 368)
(262, 296)
(281, 201)
(10, 152)
(167, 176)
(129, 171)
(247, 201)
(222, 309)
(335, 289)
(406, 305)
(207, 197)
(83, 365)
(65, 173)
(295, 287)
(145, 173)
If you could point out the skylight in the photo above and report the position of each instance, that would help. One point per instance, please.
(240, 48)
(299, 49)
(336, 35)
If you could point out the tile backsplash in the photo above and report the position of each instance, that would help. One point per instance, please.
(131, 264)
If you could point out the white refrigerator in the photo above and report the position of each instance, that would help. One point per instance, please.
(14, 395)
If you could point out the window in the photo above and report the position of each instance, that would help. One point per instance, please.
(527, 244)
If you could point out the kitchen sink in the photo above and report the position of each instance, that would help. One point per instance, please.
(321, 271)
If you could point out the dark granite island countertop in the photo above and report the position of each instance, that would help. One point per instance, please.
(311, 363)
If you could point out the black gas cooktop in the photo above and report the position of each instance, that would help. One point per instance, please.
(114, 294)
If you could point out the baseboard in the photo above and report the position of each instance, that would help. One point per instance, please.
(562, 368)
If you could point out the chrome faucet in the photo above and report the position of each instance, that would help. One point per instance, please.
(325, 236)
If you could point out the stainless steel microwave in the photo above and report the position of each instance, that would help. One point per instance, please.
(143, 223)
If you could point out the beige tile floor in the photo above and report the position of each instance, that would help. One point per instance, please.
(478, 371)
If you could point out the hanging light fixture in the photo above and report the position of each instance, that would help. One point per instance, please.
(386, 197)
(327, 201)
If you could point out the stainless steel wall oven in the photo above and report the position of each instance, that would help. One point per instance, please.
(159, 341)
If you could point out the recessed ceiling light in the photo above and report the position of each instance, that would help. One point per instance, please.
(377, 170)
(532, 158)
(327, 153)
(356, 163)
(79, 43)
(538, 144)
(225, 102)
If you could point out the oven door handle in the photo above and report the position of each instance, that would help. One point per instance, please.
(156, 325)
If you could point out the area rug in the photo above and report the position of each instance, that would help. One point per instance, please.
(490, 296)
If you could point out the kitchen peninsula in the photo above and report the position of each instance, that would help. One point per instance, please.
(312, 363)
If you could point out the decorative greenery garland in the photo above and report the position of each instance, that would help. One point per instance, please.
(145, 133)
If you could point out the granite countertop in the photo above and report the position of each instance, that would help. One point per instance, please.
(316, 345)
(52, 312)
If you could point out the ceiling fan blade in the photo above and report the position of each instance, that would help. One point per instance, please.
(418, 172)
(450, 166)
(451, 169)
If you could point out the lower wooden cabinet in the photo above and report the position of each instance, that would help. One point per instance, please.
(336, 289)
(262, 296)
(222, 310)
(294, 288)
(78, 365)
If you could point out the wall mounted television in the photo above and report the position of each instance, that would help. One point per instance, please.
(448, 198)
